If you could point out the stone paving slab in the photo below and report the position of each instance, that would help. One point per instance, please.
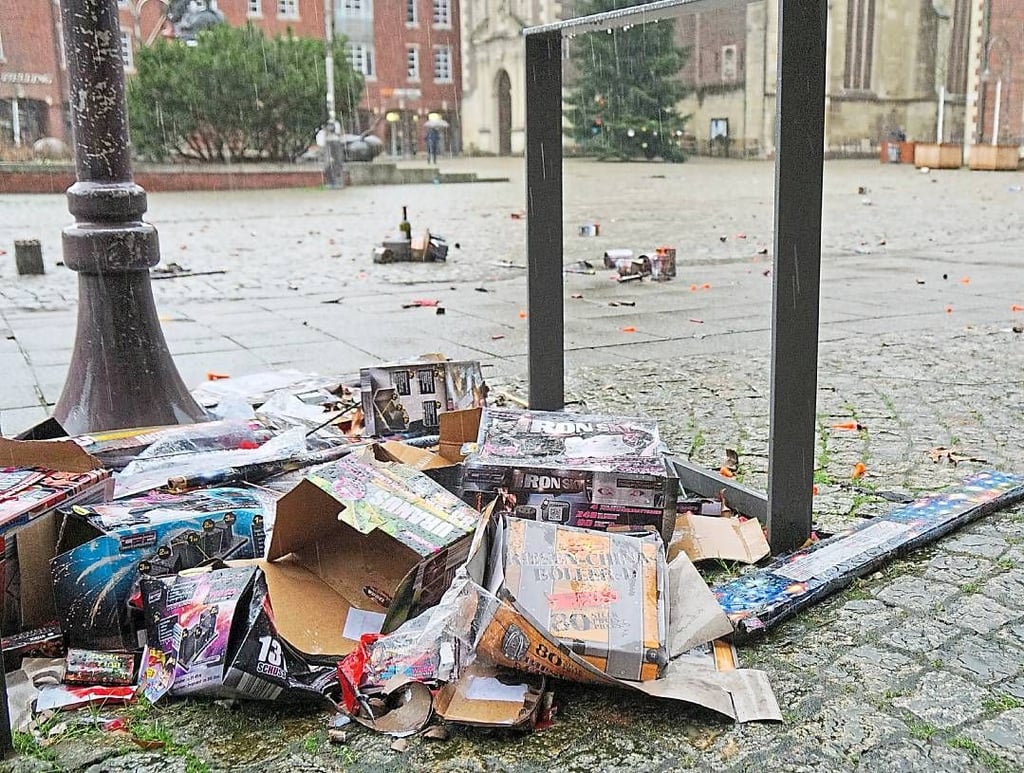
(918, 667)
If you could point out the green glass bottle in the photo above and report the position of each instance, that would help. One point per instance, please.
(404, 227)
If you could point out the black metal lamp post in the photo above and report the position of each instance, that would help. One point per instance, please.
(121, 373)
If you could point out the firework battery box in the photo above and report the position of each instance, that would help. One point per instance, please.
(359, 546)
(37, 478)
(104, 550)
(213, 633)
(600, 594)
(407, 399)
(593, 472)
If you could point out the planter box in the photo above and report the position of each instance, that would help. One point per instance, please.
(936, 156)
(995, 158)
(896, 152)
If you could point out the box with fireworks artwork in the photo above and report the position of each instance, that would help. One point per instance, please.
(213, 633)
(408, 398)
(104, 550)
(595, 472)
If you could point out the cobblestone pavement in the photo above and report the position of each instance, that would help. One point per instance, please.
(919, 667)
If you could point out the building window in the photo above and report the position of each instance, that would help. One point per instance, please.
(729, 63)
(412, 63)
(288, 9)
(443, 64)
(355, 7)
(411, 14)
(360, 56)
(126, 51)
(255, 9)
(860, 34)
(442, 13)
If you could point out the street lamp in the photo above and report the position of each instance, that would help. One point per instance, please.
(121, 373)
(334, 173)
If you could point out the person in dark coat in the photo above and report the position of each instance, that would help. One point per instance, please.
(433, 144)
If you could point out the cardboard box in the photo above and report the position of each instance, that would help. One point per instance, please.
(594, 472)
(104, 550)
(408, 398)
(486, 696)
(37, 477)
(506, 634)
(601, 594)
(212, 633)
(359, 546)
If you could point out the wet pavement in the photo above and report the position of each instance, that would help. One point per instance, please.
(918, 667)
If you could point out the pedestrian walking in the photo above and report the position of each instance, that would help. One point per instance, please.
(433, 144)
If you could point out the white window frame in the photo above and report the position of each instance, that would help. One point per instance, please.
(412, 63)
(127, 55)
(355, 8)
(254, 9)
(442, 13)
(449, 64)
(412, 13)
(361, 57)
(287, 9)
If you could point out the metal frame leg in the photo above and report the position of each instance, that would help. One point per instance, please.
(546, 329)
(799, 165)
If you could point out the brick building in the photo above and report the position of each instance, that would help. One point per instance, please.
(32, 79)
(408, 51)
(997, 72)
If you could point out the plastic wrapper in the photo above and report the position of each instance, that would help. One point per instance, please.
(183, 455)
(256, 388)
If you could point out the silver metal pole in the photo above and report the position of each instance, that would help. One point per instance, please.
(332, 117)
(939, 131)
(995, 119)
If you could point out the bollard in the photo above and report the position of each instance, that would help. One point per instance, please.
(28, 255)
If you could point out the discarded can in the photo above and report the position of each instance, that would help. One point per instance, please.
(612, 256)
(590, 229)
(663, 264)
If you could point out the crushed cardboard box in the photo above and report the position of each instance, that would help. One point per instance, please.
(359, 546)
(103, 551)
(704, 537)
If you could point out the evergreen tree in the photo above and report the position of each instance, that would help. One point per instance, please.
(235, 94)
(625, 88)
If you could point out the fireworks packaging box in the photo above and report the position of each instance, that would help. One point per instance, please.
(213, 633)
(595, 472)
(359, 546)
(407, 399)
(515, 624)
(37, 477)
(104, 550)
(599, 593)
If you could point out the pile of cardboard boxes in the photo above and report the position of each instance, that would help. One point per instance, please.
(521, 546)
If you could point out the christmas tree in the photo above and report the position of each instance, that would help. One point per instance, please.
(624, 88)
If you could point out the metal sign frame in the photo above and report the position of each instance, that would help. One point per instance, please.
(786, 510)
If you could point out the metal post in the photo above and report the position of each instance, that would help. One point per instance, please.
(799, 164)
(121, 373)
(546, 331)
(995, 117)
(6, 737)
(940, 127)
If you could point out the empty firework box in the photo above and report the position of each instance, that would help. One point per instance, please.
(602, 595)
(594, 472)
(407, 399)
(104, 550)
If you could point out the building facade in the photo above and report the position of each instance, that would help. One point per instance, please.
(494, 71)
(32, 75)
(407, 50)
(947, 71)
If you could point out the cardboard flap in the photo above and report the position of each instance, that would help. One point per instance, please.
(703, 537)
(694, 615)
(417, 458)
(60, 455)
(307, 611)
(458, 427)
(479, 697)
(305, 515)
